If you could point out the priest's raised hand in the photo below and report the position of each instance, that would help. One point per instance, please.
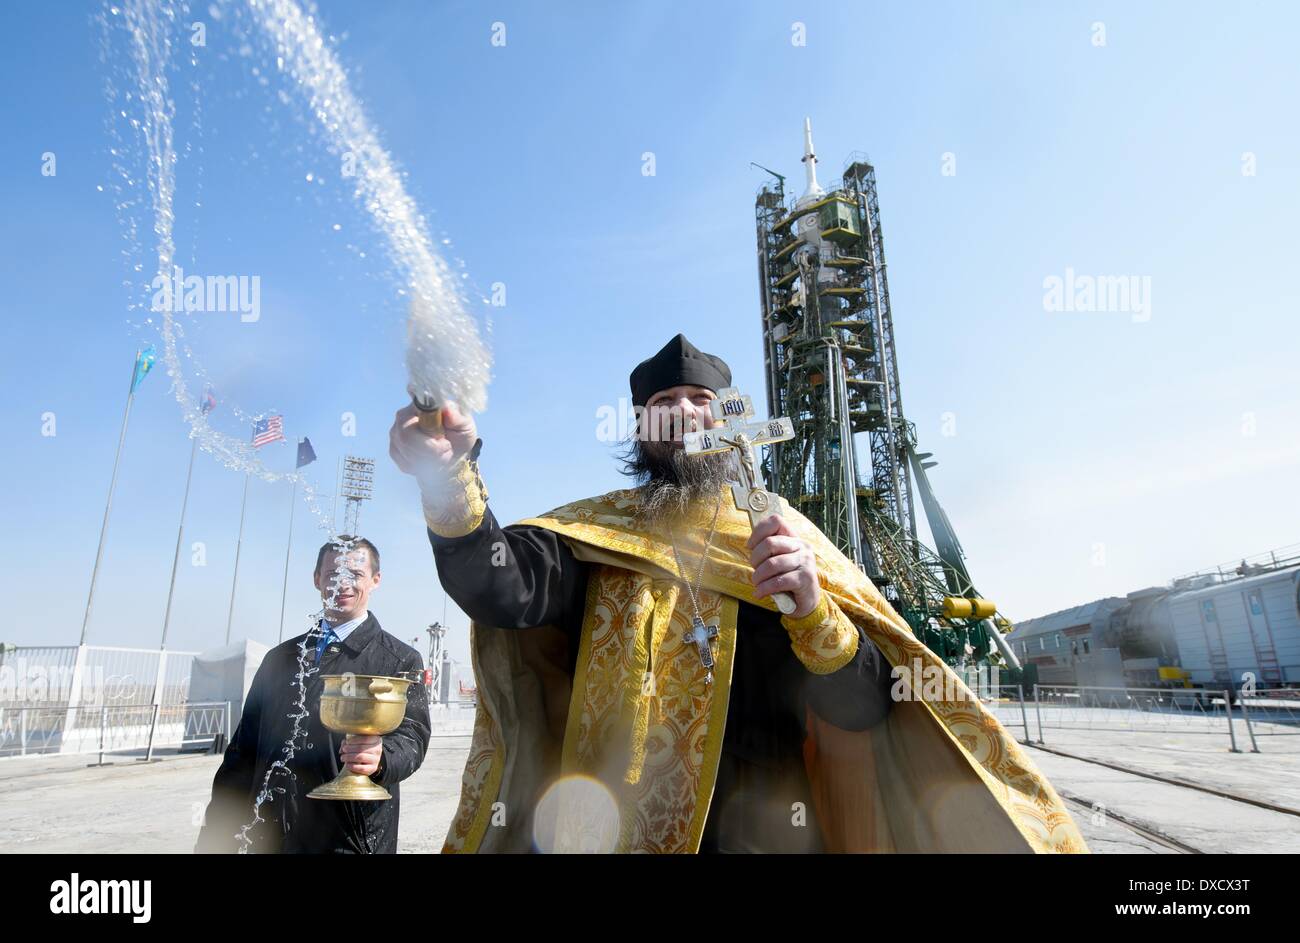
(425, 454)
(783, 562)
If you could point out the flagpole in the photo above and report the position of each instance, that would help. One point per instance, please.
(334, 514)
(238, 544)
(176, 557)
(108, 505)
(284, 590)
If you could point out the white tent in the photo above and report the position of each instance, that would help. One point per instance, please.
(226, 674)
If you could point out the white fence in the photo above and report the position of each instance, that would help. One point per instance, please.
(100, 699)
(40, 731)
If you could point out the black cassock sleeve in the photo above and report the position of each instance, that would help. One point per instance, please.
(515, 577)
(230, 808)
(857, 696)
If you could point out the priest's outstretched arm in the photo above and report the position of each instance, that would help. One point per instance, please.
(519, 576)
(509, 577)
(514, 577)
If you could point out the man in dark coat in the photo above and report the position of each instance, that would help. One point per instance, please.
(347, 639)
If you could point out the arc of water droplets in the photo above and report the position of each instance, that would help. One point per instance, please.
(447, 344)
(446, 351)
(149, 22)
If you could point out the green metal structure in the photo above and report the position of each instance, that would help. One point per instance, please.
(831, 366)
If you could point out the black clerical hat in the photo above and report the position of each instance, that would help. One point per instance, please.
(677, 364)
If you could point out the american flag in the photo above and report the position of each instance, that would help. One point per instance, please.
(268, 430)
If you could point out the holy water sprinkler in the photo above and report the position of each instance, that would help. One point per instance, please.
(445, 359)
(430, 411)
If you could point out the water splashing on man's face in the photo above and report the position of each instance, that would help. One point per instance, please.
(671, 481)
(345, 581)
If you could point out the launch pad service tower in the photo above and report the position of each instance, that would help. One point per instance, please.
(830, 365)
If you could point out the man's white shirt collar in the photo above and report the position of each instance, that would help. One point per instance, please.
(343, 631)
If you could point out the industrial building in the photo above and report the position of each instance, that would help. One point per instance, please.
(1236, 626)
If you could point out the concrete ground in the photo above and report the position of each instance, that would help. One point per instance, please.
(1129, 778)
(60, 804)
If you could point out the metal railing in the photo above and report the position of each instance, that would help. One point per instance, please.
(1275, 713)
(1258, 563)
(1141, 710)
(1008, 703)
(111, 728)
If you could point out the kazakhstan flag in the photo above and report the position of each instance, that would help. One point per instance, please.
(143, 364)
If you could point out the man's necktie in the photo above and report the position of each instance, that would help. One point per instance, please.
(325, 639)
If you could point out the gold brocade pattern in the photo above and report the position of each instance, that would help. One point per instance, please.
(641, 707)
(663, 749)
(825, 640)
(457, 507)
(482, 776)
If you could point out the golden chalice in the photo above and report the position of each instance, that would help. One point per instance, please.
(359, 704)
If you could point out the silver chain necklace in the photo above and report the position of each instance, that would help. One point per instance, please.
(699, 634)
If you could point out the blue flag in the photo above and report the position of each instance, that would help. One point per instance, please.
(306, 454)
(143, 364)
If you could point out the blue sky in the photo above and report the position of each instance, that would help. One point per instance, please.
(1093, 454)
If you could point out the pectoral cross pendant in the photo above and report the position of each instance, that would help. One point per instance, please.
(700, 635)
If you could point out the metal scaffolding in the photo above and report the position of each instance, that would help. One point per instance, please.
(831, 365)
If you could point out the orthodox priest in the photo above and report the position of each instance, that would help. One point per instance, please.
(640, 690)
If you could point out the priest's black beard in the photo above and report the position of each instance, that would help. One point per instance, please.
(671, 481)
